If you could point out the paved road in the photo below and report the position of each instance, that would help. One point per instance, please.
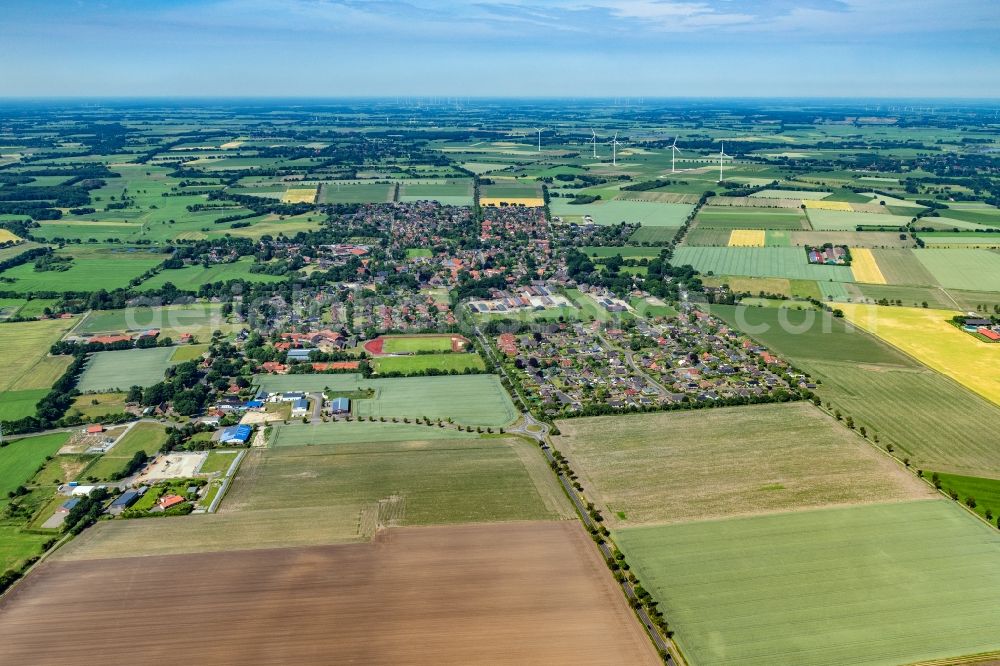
(627, 353)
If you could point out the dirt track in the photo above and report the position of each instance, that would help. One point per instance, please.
(522, 593)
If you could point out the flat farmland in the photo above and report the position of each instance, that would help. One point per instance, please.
(836, 220)
(975, 270)
(927, 417)
(500, 594)
(785, 262)
(123, 369)
(869, 239)
(647, 213)
(18, 404)
(756, 285)
(21, 458)
(705, 237)
(653, 235)
(675, 467)
(928, 336)
(878, 584)
(349, 432)
(791, 194)
(25, 348)
(731, 217)
(902, 267)
(90, 269)
(301, 494)
(453, 192)
(864, 267)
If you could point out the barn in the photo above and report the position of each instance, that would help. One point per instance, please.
(340, 406)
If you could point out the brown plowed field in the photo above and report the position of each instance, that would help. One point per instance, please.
(518, 593)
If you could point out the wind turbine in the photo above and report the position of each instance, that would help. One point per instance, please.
(593, 142)
(539, 130)
(614, 150)
(673, 156)
(722, 155)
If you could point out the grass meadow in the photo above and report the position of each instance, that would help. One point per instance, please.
(25, 348)
(90, 269)
(109, 370)
(782, 262)
(403, 344)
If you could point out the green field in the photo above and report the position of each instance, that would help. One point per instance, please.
(647, 213)
(109, 370)
(218, 462)
(418, 253)
(878, 584)
(187, 353)
(25, 346)
(477, 400)
(975, 270)
(199, 319)
(408, 344)
(349, 432)
(791, 194)
(452, 192)
(676, 467)
(18, 404)
(106, 403)
(986, 492)
(21, 458)
(354, 192)
(16, 546)
(730, 217)
(604, 251)
(422, 362)
(90, 269)
(838, 220)
(902, 267)
(148, 437)
(653, 235)
(927, 417)
(190, 278)
(785, 262)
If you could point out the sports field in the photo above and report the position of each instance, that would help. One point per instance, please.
(786, 262)
(977, 270)
(25, 346)
(477, 400)
(926, 335)
(927, 417)
(675, 467)
(491, 594)
(864, 267)
(403, 344)
(646, 213)
(419, 363)
(747, 238)
(148, 437)
(123, 369)
(801, 588)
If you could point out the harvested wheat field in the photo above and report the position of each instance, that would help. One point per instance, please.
(679, 466)
(519, 593)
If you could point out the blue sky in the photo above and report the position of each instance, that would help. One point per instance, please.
(330, 48)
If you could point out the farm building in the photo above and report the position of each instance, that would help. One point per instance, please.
(95, 429)
(300, 407)
(68, 505)
(340, 406)
(296, 355)
(236, 434)
(124, 501)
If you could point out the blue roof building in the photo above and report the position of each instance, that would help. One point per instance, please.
(238, 434)
(340, 405)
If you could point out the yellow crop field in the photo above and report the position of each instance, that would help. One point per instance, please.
(865, 267)
(828, 205)
(299, 195)
(927, 336)
(531, 202)
(747, 238)
(230, 145)
(8, 237)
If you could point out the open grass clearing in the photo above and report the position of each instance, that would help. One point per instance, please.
(784, 262)
(730, 217)
(421, 363)
(198, 319)
(93, 405)
(647, 213)
(974, 270)
(190, 278)
(401, 344)
(675, 467)
(16, 405)
(90, 269)
(21, 458)
(350, 432)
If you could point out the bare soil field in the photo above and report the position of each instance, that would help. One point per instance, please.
(518, 593)
(675, 467)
